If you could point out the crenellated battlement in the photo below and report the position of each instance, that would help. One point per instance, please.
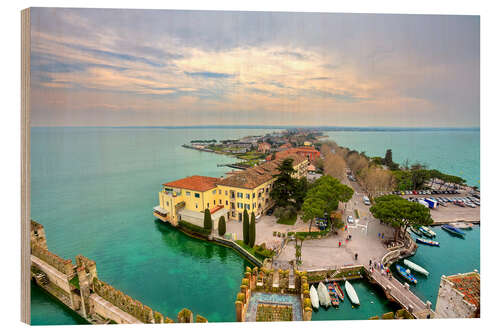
(94, 299)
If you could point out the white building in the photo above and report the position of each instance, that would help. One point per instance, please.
(459, 296)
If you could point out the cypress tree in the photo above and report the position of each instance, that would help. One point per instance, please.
(246, 238)
(207, 221)
(222, 226)
(252, 231)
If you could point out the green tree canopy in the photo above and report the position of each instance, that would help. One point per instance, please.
(246, 228)
(323, 198)
(222, 226)
(207, 220)
(400, 213)
(251, 240)
(284, 185)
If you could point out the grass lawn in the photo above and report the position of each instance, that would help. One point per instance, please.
(290, 221)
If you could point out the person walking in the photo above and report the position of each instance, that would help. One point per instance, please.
(355, 256)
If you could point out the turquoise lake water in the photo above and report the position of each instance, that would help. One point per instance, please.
(93, 190)
(452, 151)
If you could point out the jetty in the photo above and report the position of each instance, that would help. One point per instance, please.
(401, 294)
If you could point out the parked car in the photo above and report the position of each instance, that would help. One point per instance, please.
(350, 219)
(270, 211)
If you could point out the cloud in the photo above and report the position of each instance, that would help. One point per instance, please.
(210, 75)
(289, 66)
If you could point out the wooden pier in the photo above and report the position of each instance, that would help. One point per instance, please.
(401, 294)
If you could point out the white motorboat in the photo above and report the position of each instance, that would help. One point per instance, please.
(324, 296)
(351, 293)
(416, 267)
(429, 231)
(314, 297)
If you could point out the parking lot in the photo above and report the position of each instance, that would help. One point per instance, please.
(451, 212)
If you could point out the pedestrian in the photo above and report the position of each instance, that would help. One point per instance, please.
(340, 243)
(356, 256)
(370, 263)
(379, 235)
(387, 270)
(382, 235)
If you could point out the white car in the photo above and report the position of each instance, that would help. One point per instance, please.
(350, 220)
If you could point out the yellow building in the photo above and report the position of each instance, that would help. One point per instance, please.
(250, 189)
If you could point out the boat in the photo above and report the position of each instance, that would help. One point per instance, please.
(427, 242)
(333, 294)
(425, 232)
(416, 231)
(428, 230)
(406, 274)
(324, 296)
(452, 230)
(351, 293)
(416, 267)
(338, 290)
(462, 225)
(314, 297)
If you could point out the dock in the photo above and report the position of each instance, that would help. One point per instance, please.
(401, 294)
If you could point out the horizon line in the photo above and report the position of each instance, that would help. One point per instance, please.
(269, 127)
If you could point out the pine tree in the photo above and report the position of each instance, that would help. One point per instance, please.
(246, 228)
(252, 231)
(207, 220)
(222, 226)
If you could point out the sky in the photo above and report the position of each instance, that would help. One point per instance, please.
(112, 67)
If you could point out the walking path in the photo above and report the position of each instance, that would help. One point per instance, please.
(401, 294)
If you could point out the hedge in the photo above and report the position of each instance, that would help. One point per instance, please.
(194, 228)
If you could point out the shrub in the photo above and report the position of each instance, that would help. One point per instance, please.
(307, 303)
(222, 226)
(245, 282)
(251, 238)
(246, 228)
(286, 215)
(388, 315)
(274, 233)
(207, 220)
(194, 228)
(240, 297)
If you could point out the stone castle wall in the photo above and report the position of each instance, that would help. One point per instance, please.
(91, 296)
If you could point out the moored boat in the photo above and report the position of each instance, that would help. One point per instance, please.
(427, 242)
(428, 230)
(452, 230)
(338, 290)
(351, 292)
(424, 232)
(333, 294)
(416, 231)
(324, 296)
(314, 297)
(462, 225)
(406, 274)
(415, 267)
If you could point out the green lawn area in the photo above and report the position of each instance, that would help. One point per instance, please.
(289, 221)
(254, 251)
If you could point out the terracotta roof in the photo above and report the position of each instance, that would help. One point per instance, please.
(257, 175)
(469, 285)
(195, 183)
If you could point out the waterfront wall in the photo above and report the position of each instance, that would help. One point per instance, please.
(80, 289)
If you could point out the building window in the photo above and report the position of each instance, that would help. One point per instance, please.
(220, 202)
(197, 195)
(248, 195)
(208, 204)
(240, 195)
(253, 195)
(220, 191)
(188, 193)
(226, 203)
(226, 193)
(253, 205)
(214, 202)
(260, 194)
(196, 206)
(214, 192)
(167, 203)
(247, 206)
